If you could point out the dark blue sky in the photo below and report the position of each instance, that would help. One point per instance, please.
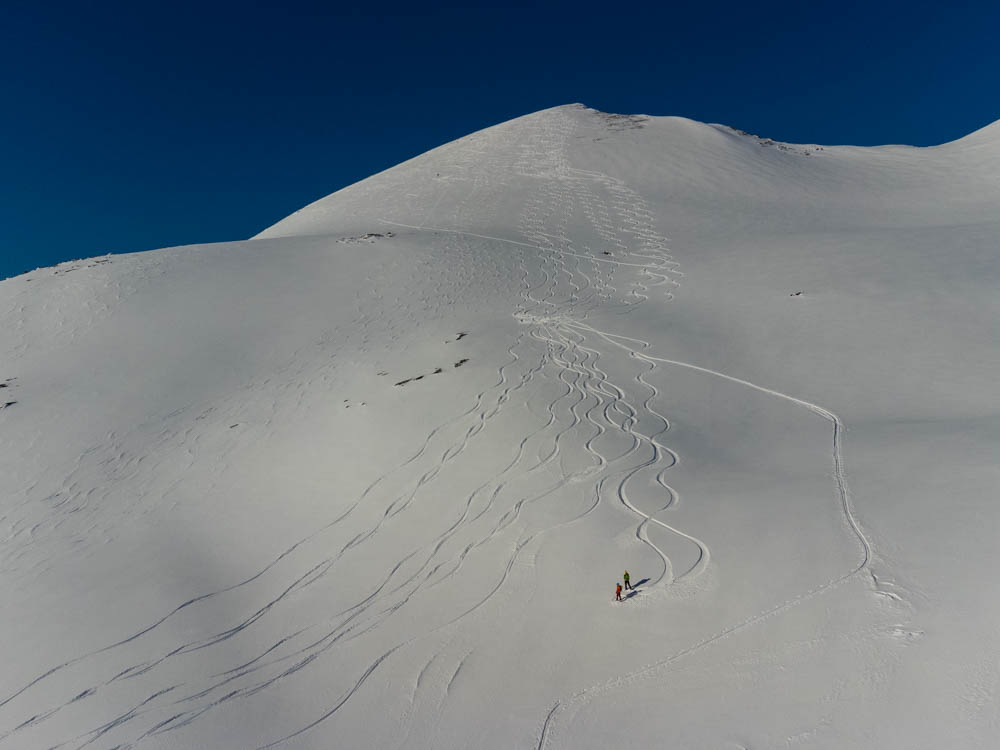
(140, 125)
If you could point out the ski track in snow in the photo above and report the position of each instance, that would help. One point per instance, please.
(582, 697)
(563, 279)
(703, 559)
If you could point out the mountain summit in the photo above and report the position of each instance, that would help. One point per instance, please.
(370, 478)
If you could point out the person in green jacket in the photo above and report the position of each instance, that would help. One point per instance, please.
(627, 584)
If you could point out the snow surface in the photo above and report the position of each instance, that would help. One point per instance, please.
(369, 479)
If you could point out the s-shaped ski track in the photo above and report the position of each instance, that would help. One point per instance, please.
(840, 477)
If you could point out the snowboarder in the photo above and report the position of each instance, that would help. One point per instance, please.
(627, 584)
(618, 592)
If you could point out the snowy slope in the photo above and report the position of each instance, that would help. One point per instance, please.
(369, 479)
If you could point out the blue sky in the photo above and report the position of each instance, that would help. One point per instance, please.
(131, 126)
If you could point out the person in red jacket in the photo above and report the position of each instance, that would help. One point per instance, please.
(618, 592)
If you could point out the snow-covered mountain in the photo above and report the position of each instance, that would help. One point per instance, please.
(370, 478)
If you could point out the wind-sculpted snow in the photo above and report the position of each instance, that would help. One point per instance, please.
(369, 479)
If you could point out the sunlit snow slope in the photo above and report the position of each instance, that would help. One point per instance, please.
(369, 479)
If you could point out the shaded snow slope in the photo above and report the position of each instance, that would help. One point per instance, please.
(369, 479)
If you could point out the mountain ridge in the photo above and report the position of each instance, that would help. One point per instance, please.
(369, 480)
